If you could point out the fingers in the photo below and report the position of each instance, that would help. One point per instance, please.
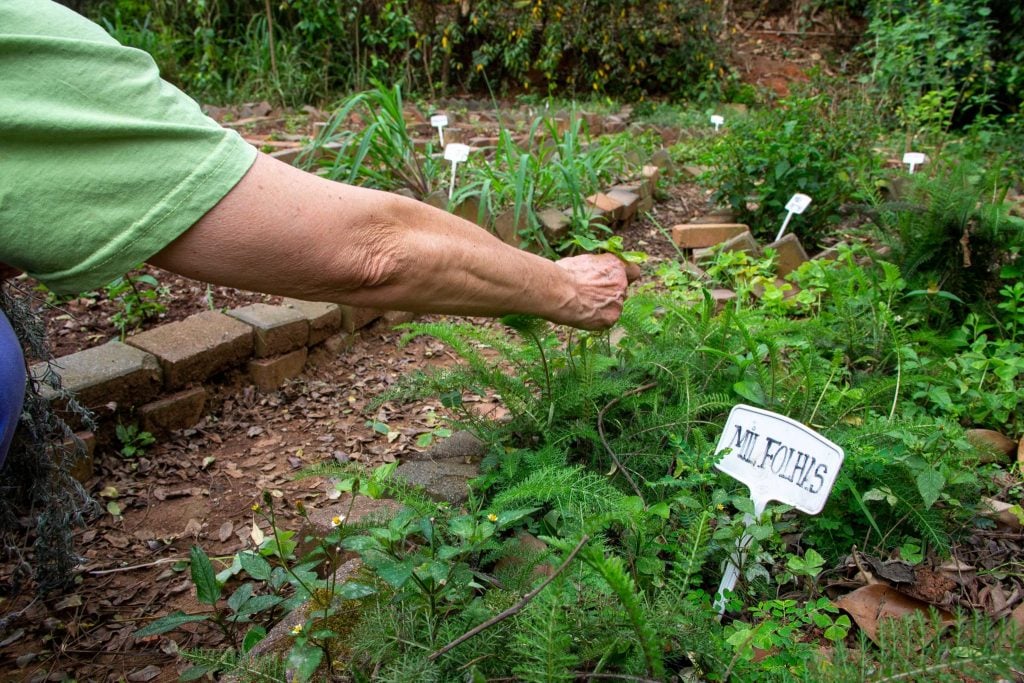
(600, 281)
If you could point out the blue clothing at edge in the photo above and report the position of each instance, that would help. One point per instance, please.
(12, 384)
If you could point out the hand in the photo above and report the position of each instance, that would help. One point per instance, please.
(600, 288)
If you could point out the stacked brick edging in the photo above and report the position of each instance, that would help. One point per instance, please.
(158, 376)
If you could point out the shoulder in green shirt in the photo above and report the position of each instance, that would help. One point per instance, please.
(102, 163)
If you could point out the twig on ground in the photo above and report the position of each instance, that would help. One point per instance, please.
(514, 609)
(163, 560)
(600, 430)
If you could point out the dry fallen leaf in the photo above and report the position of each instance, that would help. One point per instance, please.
(224, 533)
(871, 604)
(1002, 512)
(1018, 616)
(193, 528)
(256, 534)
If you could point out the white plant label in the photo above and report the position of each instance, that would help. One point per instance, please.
(439, 121)
(778, 459)
(455, 153)
(717, 121)
(798, 203)
(914, 159)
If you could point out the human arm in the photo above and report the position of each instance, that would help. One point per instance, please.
(284, 231)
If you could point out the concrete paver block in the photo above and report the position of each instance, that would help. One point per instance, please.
(357, 317)
(699, 236)
(554, 223)
(507, 228)
(111, 372)
(743, 242)
(628, 200)
(324, 318)
(270, 373)
(790, 255)
(610, 206)
(177, 411)
(197, 347)
(278, 329)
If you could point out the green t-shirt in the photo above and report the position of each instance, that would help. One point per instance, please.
(102, 164)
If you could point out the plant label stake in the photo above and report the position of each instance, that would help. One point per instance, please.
(913, 160)
(717, 121)
(439, 121)
(455, 153)
(798, 203)
(778, 459)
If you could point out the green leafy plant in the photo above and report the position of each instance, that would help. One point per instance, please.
(134, 441)
(138, 300)
(813, 144)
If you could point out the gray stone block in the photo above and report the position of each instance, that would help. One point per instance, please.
(112, 372)
(791, 254)
(743, 242)
(554, 223)
(324, 318)
(278, 329)
(357, 317)
(270, 373)
(197, 347)
(177, 411)
(441, 479)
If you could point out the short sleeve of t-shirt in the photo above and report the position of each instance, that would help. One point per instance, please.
(102, 163)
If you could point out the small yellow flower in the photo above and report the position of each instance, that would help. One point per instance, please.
(297, 630)
(336, 520)
(492, 517)
(719, 507)
(255, 507)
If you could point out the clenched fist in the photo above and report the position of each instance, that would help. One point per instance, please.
(599, 285)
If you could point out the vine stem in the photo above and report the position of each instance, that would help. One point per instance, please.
(514, 609)
(600, 430)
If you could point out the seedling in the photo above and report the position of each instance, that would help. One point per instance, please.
(717, 120)
(439, 121)
(798, 203)
(778, 459)
(455, 153)
(913, 160)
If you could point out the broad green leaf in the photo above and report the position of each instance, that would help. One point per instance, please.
(240, 596)
(169, 623)
(929, 484)
(254, 635)
(207, 588)
(395, 573)
(254, 565)
(750, 390)
(257, 604)
(304, 659)
(351, 590)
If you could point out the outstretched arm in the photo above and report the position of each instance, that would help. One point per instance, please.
(284, 231)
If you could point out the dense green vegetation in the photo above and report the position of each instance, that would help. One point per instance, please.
(609, 454)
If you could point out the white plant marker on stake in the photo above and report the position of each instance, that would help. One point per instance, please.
(717, 120)
(455, 153)
(778, 459)
(439, 121)
(913, 160)
(798, 203)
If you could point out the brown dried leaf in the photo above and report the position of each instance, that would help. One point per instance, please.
(225, 531)
(871, 604)
(1018, 616)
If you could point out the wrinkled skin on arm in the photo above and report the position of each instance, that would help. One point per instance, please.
(284, 231)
